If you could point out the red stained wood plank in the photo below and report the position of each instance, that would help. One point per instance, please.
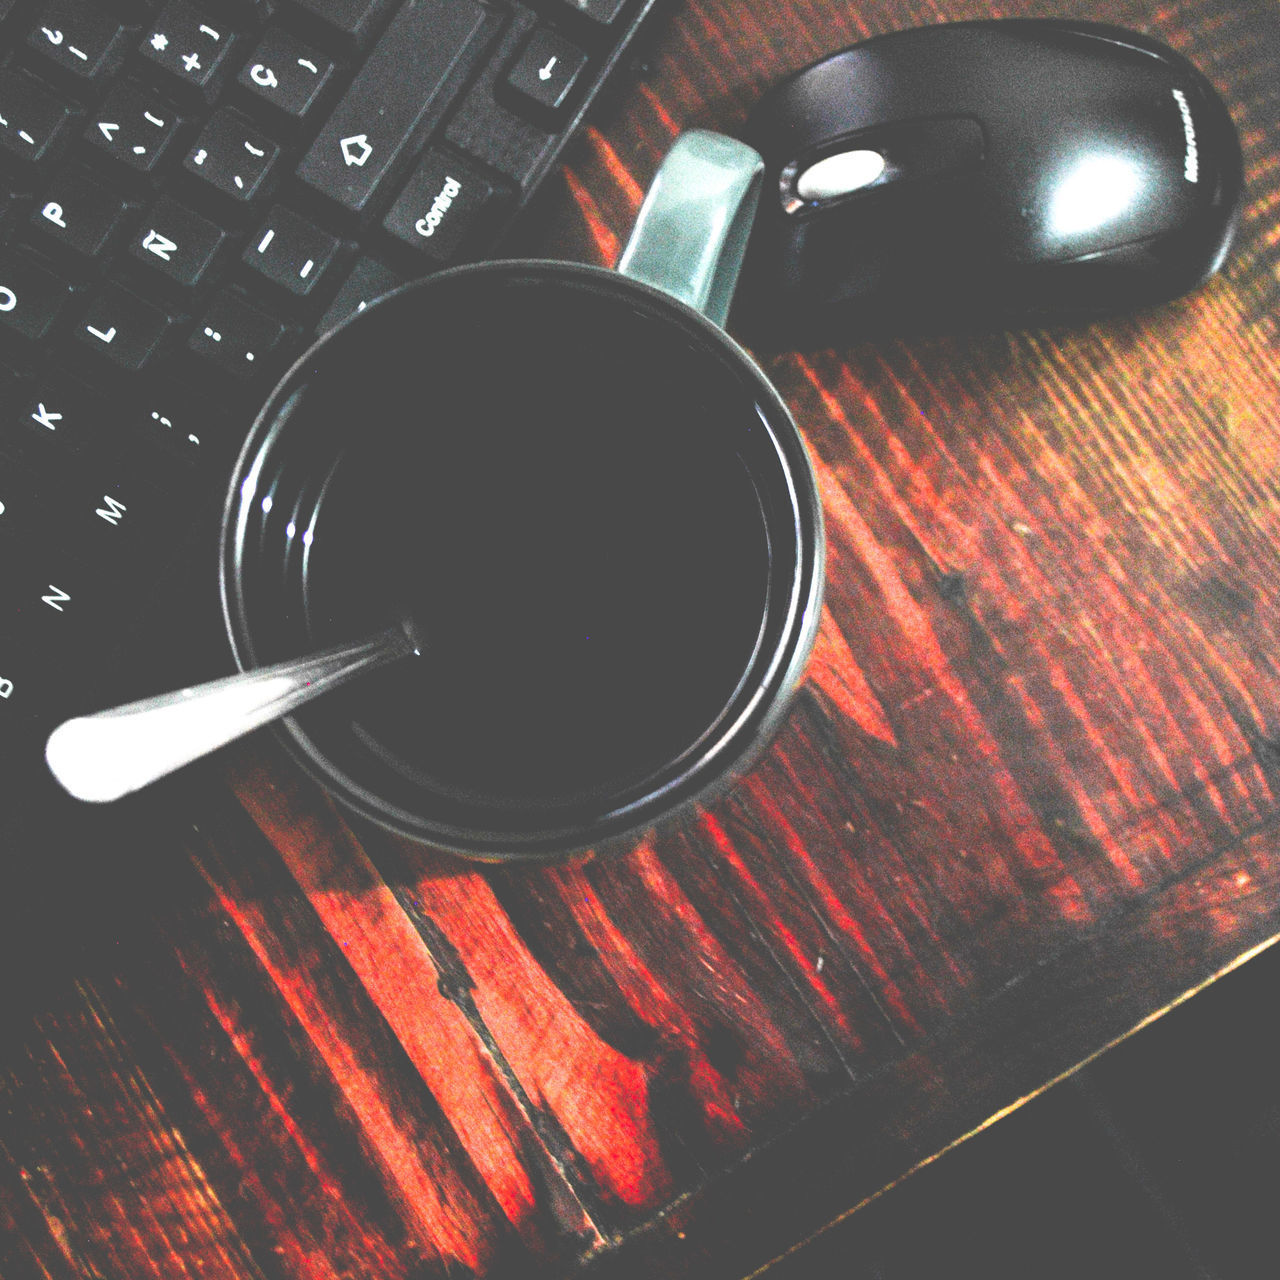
(601, 1043)
(388, 957)
(150, 1214)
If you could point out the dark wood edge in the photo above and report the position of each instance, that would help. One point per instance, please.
(856, 1147)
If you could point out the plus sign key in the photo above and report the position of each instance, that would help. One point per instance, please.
(186, 49)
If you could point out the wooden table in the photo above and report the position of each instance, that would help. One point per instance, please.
(1027, 799)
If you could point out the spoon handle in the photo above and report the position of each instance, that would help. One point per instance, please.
(111, 753)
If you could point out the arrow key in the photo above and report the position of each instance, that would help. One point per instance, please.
(132, 127)
(546, 71)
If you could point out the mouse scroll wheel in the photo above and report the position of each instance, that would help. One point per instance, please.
(840, 174)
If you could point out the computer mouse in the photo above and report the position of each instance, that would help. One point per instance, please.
(996, 172)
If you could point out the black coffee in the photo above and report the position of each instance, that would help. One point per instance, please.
(575, 531)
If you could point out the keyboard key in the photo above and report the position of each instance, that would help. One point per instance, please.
(31, 297)
(30, 700)
(290, 252)
(601, 13)
(231, 156)
(77, 39)
(105, 516)
(49, 600)
(498, 136)
(187, 48)
(33, 120)
(286, 74)
(546, 71)
(440, 207)
(78, 216)
(132, 127)
(237, 338)
(371, 126)
(20, 506)
(12, 384)
(350, 23)
(113, 523)
(59, 419)
(177, 242)
(176, 424)
(136, 10)
(122, 328)
(368, 281)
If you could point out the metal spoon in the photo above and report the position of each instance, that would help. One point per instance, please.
(112, 753)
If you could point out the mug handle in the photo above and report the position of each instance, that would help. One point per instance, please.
(691, 233)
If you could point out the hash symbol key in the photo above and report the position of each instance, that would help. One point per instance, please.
(184, 45)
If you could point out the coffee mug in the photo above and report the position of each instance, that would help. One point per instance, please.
(589, 503)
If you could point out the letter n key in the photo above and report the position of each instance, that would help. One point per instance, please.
(177, 242)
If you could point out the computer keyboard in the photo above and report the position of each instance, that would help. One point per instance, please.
(192, 192)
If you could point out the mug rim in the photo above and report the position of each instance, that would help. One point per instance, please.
(716, 764)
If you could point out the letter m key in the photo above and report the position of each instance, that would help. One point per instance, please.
(112, 509)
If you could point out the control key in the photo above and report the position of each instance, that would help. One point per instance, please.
(440, 206)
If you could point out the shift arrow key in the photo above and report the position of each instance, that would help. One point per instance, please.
(391, 100)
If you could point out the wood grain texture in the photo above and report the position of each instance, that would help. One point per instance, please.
(1026, 798)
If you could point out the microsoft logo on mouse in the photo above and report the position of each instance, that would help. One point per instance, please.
(1191, 165)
